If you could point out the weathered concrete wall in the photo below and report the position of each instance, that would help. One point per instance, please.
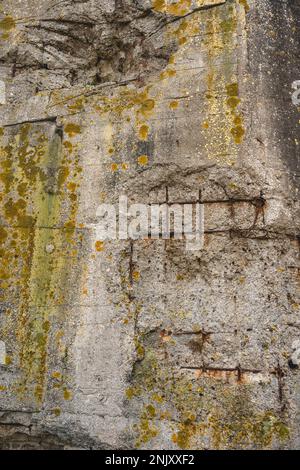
(142, 344)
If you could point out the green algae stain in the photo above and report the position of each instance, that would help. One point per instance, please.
(229, 419)
(221, 132)
(33, 176)
(153, 381)
(249, 428)
(229, 25)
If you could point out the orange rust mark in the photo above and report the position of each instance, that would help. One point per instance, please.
(237, 375)
(165, 336)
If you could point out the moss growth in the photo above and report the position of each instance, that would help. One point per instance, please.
(226, 417)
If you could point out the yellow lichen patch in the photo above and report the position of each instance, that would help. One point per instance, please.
(172, 59)
(3, 234)
(56, 375)
(223, 126)
(35, 267)
(186, 432)
(77, 105)
(67, 394)
(8, 360)
(114, 167)
(174, 104)
(99, 246)
(158, 5)
(7, 24)
(167, 74)
(233, 101)
(132, 392)
(136, 276)
(180, 277)
(187, 29)
(72, 129)
(177, 8)
(251, 428)
(143, 160)
(68, 145)
(3, 388)
(238, 133)
(146, 429)
(232, 92)
(143, 132)
(157, 397)
(233, 423)
(128, 100)
(56, 412)
(72, 186)
(245, 5)
(124, 166)
(146, 107)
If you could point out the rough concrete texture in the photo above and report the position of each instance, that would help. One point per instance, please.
(140, 343)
